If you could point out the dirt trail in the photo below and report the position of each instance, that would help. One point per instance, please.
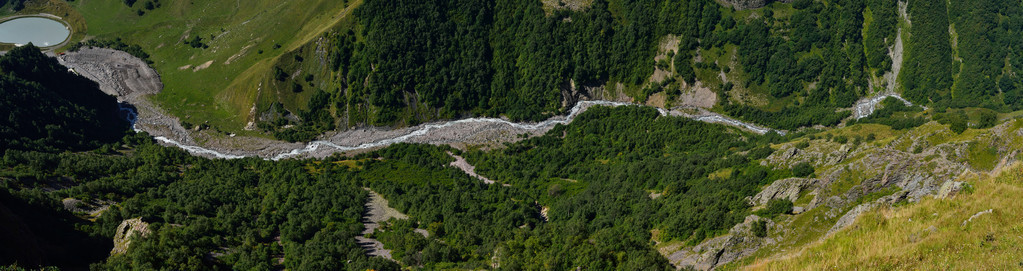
(460, 163)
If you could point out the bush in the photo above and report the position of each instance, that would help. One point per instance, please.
(776, 207)
(958, 125)
(988, 118)
(759, 228)
(760, 153)
(802, 169)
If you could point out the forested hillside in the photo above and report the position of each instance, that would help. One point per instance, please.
(48, 108)
(301, 214)
(12, 5)
(617, 188)
(787, 65)
(410, 62)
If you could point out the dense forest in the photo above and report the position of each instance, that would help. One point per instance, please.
(496, 57)
(46, 107)
(249, 213)
(412, 61)
(405, 62)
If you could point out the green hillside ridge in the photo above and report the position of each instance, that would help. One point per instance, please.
(975, 229)
(787, 65)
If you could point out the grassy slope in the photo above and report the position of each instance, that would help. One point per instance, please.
(927, 235)
(901, 237)
(222, 93)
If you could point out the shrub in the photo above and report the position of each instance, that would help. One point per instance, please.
(988, 118)
(759, 228)
(776, 207)
(802, 169)
(958, 125)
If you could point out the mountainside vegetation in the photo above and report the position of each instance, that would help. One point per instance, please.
(622, 187)
(45, 107)
(614, 189)
(924, 184)
(401, 63)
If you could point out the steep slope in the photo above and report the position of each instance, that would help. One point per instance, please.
(977, 227)
(49, 108)
(211, 54)
(864, 172)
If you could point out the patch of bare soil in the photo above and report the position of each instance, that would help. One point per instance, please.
(463, 165)
(94, 208)
(576, 5)
(657, 100)
(698, 96)
(202, 66)
(239, 54)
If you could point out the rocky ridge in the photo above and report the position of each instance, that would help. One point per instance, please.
(851, 179)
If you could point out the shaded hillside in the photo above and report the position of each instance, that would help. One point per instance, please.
(46, 107)
(36, 232)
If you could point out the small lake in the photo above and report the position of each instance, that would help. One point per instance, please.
(42, 32)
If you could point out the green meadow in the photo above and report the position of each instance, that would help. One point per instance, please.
(220, 83)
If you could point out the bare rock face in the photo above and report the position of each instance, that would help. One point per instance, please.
(783, 189)
(118, 73)
(128, 229)
(949, 189)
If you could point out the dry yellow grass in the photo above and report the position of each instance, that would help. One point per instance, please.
(934, 234)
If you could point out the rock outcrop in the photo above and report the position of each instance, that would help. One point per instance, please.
(783, 189)
(125, 231)
(738, 243)
(949, 189)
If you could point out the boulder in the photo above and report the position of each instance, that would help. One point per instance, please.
(782, 189)
(949, 189)
(127, 229)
